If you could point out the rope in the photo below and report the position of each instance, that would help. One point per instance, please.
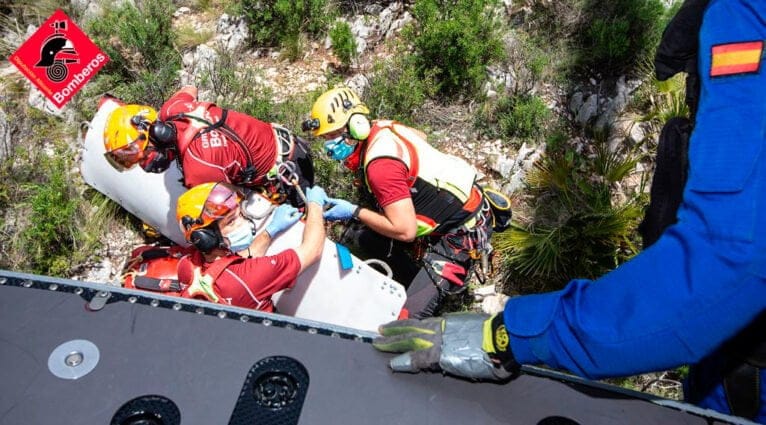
(288, 175)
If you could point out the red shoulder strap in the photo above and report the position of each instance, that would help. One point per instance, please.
(414, 160)
(221, 264)
(188, 263)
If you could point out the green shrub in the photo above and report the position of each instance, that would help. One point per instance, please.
(343, 43)
(188, 37)
(231, 84)
(453, 41)
(332, 175)
(52, 230)
(669, 99)
(396, 90)
(46, 226)
(275, 23)
(538, 60)
(576, 231)
(144, 63)
(62, 228)
(289, 112)
(524, 117)
(530, 59)
(555, 20)
(619, 33)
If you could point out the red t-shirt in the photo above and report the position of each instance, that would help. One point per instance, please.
(213, 157)
(389, 180)
(250, 283)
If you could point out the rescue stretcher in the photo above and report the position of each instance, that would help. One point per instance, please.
(340, 289)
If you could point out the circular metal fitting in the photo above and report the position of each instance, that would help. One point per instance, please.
(275, 390)
(73, 359)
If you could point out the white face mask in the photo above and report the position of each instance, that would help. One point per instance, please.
(240, 237)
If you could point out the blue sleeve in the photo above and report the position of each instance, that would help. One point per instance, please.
(705, 278)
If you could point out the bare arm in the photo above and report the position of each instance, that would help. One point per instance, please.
(397, 221)
(310, 249)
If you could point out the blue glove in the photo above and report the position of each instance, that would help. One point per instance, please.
(284, 216)
(340, 209)
(317, 195)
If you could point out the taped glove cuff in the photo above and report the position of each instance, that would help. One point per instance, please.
(462, 349)
(497, 344)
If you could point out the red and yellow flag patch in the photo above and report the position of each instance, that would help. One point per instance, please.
(736, 58)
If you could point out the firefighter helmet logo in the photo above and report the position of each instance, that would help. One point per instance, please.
(56, 53)
(58, 59)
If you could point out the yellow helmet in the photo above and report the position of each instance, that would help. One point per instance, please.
(126, 134)
(333, 109)
(203, 205)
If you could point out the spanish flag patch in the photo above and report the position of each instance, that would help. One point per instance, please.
(736, 58)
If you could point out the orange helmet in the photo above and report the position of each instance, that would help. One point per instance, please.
(126, 135)
(203, 205)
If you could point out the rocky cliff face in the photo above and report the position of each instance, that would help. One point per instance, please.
(592, 103)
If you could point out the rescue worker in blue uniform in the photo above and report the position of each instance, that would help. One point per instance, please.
(699, 289)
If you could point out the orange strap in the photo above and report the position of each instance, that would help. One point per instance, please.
(414, 166)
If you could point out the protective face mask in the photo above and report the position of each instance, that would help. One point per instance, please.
(241, 237)
(338, 149)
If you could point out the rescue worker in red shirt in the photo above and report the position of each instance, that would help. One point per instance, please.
(229, 266)
(211, 144)
(425, 196)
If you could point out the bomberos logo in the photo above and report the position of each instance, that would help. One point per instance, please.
(59, 58)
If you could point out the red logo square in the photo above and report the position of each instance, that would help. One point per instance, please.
(59, 58)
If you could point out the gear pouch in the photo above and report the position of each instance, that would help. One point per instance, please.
(500, 205)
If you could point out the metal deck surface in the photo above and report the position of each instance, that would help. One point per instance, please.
(198, 356)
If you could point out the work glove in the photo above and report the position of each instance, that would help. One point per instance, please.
(284, 216)
(317, 195)
(469, 345)
(340, 209)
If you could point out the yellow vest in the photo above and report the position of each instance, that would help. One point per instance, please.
(430, 170)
